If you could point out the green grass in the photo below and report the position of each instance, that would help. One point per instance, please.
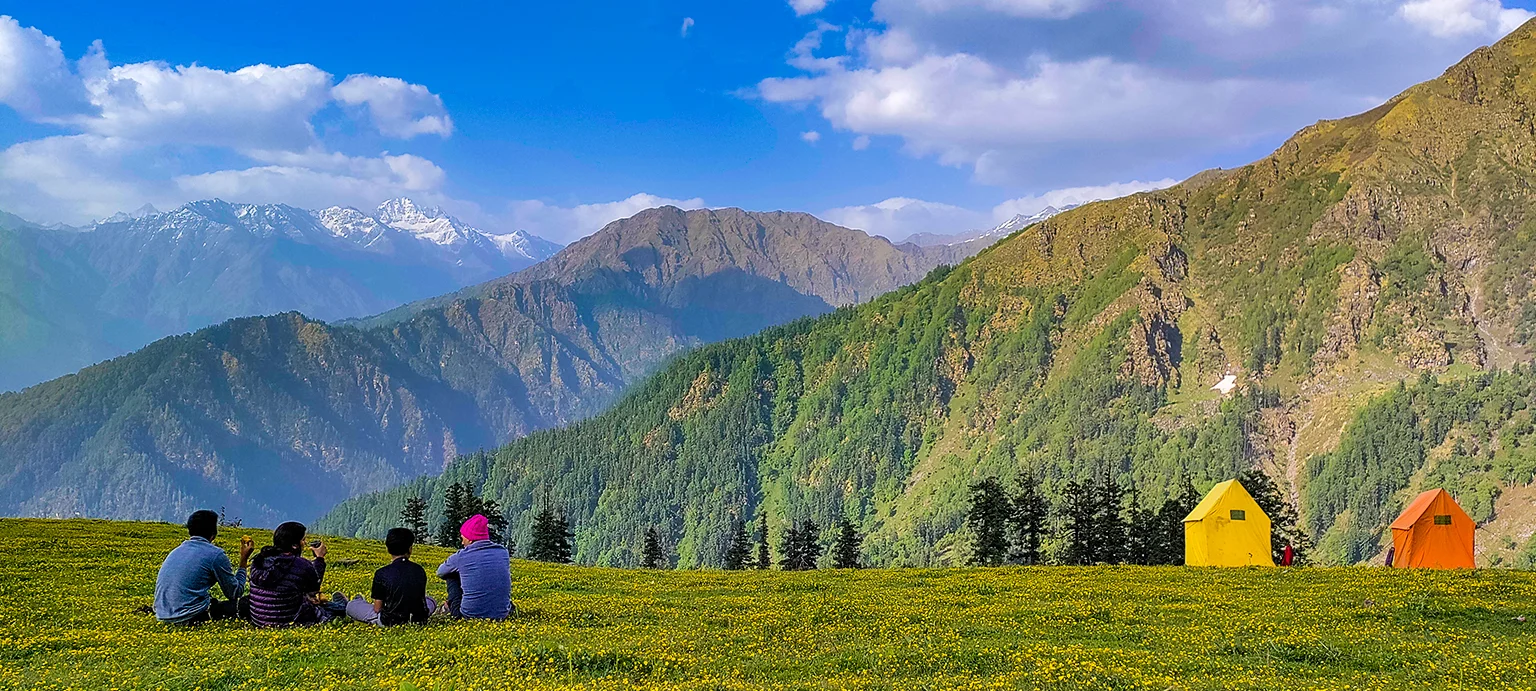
(70, 589)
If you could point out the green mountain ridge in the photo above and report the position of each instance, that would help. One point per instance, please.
(1363, 252)
(284, 416)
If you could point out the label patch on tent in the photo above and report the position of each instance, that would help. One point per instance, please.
(1241, 515)
(1443, 520)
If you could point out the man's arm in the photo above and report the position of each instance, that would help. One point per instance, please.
(232, 582)
(449, 566)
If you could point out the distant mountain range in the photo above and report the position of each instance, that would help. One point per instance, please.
(1013, 225)
(73, 296)
(284, 416)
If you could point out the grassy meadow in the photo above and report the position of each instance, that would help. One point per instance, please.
(69, 591)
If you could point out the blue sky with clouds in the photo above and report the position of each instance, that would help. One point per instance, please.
(895, 116)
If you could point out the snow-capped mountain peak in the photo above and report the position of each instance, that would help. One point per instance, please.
(124, 216)
(431, 224)
(349, 223)
(1020, 221)
(404, 209)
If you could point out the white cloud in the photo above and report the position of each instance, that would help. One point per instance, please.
(1034, 204)
(72, 178)
(687, 24)
(1247, 14)
(1456, 18)
(360, 181)
(397, 107)
(256, 107)
(805, 7)
(1031, 92)
(961, 107)
(810, 137)
(570, 223)
(162, 134)
(861, 142)
(900, 217)
(35, 79)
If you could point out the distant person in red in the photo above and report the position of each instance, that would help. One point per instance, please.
(1287, 556)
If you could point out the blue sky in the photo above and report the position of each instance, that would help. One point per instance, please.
(896, 116)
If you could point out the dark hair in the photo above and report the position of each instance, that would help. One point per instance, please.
(289, 536)
(203, 524)
(398, 541)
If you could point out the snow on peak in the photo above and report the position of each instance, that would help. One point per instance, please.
(1020, 221)
(124, 216)
(404, 209)
(349, 223)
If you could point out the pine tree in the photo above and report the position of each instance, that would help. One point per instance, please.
(453, 515)
(1109, 522)
(740, 549)
(988, 520)
(1081, 512)
(1285, 524)
(414, 518)
(1141, 533)
(762, 542)
(496, 519)
(800, 547)
(1027, 521)
(1168, 545)
(563, 550)
(651, 554)
(845, 554)
(789, 548)
(551, 538)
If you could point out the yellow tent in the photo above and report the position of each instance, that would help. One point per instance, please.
(1227, 528)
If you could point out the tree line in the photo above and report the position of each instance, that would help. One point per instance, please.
(1102, 522)
(1094, 522)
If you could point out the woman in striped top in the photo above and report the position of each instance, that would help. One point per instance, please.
(283, 583)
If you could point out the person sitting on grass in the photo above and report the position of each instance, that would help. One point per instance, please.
(399, 589)
(285, 586)
(182, 588)
(479, 575)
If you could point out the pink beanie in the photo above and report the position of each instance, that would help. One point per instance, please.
(476, 528)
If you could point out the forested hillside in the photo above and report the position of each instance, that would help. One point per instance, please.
(284, 416)
(1364, 251)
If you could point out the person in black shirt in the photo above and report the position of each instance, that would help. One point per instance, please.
(399, 589)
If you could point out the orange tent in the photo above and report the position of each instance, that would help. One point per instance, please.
(1433, 533)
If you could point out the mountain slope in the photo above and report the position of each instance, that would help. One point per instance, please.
(73, 297)
(1363, 252)
(283, 416)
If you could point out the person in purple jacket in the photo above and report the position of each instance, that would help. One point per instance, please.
(479, 575)
(284, 585)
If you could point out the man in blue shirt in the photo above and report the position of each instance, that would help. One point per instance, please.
(190, 572)
(479, 575)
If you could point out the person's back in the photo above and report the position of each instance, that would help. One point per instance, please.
(282, 581)
(479, 575)
(399, 589)
(183, 586)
